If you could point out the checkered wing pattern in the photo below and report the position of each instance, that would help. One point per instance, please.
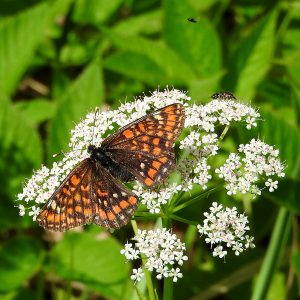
(92, 193)
(115, 204)
(88, 195)
(71, 204)
(145, 147)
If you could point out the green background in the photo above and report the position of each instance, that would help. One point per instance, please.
(59, 59)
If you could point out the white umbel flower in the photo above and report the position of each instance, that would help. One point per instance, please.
(256, 161)
(163, 251)
(224, 227)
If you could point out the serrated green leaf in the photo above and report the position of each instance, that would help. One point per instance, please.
(94, 260)
(173, 68)
(20, 259)
(84, 94)
(252, 59)
(197, 44)
(19, 37)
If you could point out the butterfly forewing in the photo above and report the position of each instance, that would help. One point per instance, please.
(160, 128)
(144, 147)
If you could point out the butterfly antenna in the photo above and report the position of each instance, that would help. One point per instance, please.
(96, 112)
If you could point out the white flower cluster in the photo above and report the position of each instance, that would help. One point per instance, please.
(154, 199)
(257, 161)
(163, 253)
(200, 144)
(225, 229)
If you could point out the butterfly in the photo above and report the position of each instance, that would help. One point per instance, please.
(93, 191)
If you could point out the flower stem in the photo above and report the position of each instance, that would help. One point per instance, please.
(278, 239)
(168, 289)
(196, 198)
(146, 272)
(168, 282)
(224, 132)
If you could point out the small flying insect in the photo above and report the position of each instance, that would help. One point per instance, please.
(192, 20)
(223, 96)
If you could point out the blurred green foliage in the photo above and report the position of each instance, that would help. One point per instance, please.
(59, 59)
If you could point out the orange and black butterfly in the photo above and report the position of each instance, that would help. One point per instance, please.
(92, 192)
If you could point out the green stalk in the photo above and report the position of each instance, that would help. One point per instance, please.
(224, 132)
(196, 198)
(146, 272)
(168, 289)
(277, 242)
(168, 282)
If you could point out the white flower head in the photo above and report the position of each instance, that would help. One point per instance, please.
(163, 251)
(137, 274)
(256, 161)
(225, 229)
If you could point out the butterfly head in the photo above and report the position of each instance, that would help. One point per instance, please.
(91, 149)
(98, 154)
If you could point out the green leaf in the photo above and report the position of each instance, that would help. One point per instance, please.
(276, 91)
(286, 195)
(203, 88)
(146, 23)
(172, 67)
(296, 264)
(92, 259)
(137, 66)
(37, 110)
(252, 59)
(11, 7)
(85, 93)
(291, 48)
(197, 44)
(275, 130)
(94, 11)
(16, 131)
(19, 37)
(20, 259)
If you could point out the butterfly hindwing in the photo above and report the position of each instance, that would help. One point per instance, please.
(71, 204)
(147, 168)
(115, 204)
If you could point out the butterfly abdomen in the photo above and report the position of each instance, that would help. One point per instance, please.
(98, 154)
